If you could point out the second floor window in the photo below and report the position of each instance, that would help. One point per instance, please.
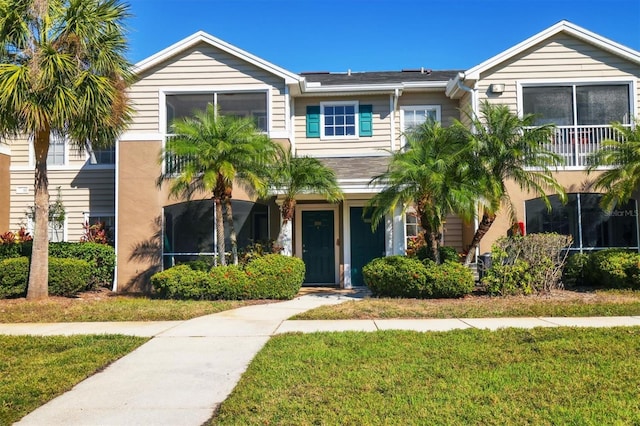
(339, 119)
(413, 116)
(102, 156)
(581, 105)
(239, 104)
(56, 154)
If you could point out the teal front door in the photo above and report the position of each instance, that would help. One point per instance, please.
(318, 246)
(366, 244)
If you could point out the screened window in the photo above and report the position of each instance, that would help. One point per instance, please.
(189, 229)
(102, 156)
(412, 228)
(583, 219)
(56, 153)
(578, 104)
(339, 119)
(239, 104)
(414, 116)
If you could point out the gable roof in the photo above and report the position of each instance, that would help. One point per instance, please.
(203, 37)
(561, 27)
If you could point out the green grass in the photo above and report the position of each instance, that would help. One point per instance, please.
(476, 377)
(34, 370)
(111, 308)
(558, 304)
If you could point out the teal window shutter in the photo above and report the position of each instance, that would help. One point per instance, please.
(366, 120)
(313, 121)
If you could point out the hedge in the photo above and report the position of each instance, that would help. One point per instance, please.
(67, 277)
(611, 268)
(273, 276)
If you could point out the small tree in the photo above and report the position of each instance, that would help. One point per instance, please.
(291, 176)
(433, 174)
(209, 153)
(622, 157)
(509, 147)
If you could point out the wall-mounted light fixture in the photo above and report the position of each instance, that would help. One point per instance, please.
(497, 88)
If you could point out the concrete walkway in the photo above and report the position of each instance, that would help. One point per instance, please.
(189, 367)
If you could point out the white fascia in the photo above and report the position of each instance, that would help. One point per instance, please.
(315, 87)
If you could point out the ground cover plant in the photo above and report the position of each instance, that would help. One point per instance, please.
(511, 376)
(34, 370)
(557, 303)
(104, 306)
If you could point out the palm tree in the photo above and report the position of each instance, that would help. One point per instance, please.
(209, 153)
(63, 73)
(623, 157)
(433, 174)
(509, 147)
(291, 176)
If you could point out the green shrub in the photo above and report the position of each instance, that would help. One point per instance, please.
(8, 251)
(198, 265)
(68, 277)
(573, 274)
(448, 280)
(509, 279)
(101, 257)
(182, 282)
(613, 268)
(229, 283)
(275, 276)
(14, 273)
(396, 276)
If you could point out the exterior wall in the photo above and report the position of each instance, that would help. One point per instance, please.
(206, 68)
(319, 147)
(562, 58)
(5, 187)
(84, 188)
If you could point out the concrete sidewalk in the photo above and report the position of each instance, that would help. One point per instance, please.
(189, 367)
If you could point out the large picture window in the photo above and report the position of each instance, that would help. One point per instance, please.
(239, 104)
(583, 219)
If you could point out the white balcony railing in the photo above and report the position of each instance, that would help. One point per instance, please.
(576, 143)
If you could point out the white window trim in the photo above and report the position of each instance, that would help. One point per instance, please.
(30, 228)
(436, 108)
(632, 84)
(356, 106)
(63, 166)
(90, 159)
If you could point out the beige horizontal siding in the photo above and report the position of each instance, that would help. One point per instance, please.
(83, 191)
(560, 58)
(374, 145)
(202, 65)
(452, 235)
(22, 155)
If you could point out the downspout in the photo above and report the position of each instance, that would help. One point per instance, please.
(393, 105)
(474, 112)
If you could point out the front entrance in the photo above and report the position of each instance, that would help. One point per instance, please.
(366, 244)
(318, 246)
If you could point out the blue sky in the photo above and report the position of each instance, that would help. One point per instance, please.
(373, 35)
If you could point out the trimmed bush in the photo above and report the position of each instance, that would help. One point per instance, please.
(613, 268)
(509, 279)
(230, 283)
(68, 277)
(9, 251)
(573, 274)
(396, 276)
(182, 282)
(449, 280)
(275, 276)
(14, 273)
(101, 257)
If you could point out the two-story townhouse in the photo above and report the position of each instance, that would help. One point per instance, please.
(351, 121)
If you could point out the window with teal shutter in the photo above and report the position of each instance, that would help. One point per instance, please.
(366, 120)
(313, 121)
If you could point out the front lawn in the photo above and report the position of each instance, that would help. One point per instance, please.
(510, 376)
(34, 370)
(556, 304)
(91, 307)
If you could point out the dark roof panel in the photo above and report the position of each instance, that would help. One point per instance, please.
(379, 77)
(357, 167)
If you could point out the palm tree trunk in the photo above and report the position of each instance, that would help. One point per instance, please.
(483, 228)
(434, 242)
(285, 237)
(220, 232)
(39, 270)
(232, 229)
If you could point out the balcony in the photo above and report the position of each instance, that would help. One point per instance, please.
(576, 143)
